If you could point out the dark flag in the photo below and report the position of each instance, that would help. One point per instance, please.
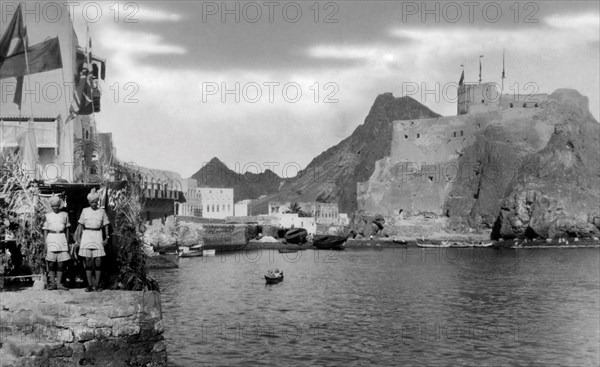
(15, 31)
(44, 56)
(13, 42)
(462, 77)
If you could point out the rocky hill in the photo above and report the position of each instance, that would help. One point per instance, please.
(522, 172)
(332, 176)
(245, 186)
(559, 193)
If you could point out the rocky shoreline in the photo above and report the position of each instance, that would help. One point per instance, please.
(464, 241)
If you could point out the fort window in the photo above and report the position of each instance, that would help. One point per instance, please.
(510, 105)
(536, 105)
(483, 101)
(524, 104)
(412, 122)
(430, 178)
(405, 136)
(418, 136)
(461, 133)
(454, 134)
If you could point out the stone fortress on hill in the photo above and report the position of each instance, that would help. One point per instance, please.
(453, 173)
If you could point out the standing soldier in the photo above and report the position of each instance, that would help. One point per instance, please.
(56, 232)
(92, 223)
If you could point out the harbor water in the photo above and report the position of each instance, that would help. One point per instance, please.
(404, 306)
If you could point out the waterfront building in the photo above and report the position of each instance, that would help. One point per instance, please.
(216, 202)
(293, 220)
(53, 120)
(191, 205)
(324, 213)
(162, 193)
(44, 119)
(240, 209)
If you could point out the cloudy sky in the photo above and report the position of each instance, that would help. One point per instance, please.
(278, 83)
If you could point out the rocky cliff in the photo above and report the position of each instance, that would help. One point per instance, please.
(331, 177)
(245, 186)
(559, 193)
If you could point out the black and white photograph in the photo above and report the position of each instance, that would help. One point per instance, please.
(299, 183)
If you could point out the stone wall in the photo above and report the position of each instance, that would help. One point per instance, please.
(69, 328)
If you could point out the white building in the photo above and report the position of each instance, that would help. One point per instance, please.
(290, 220)
(216, 202)
(240, 209)
(192, 206)
(343, 219)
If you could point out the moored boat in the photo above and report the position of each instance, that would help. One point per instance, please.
(190, 254)
(426, 243)
(296, 236)
(327, 242)
(208, 252)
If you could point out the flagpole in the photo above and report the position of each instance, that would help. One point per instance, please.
(90, 70)
(503, 74)
(30, 126)
(480, 56)
(25, 45)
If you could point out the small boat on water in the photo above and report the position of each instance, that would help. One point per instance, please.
(208, 252)
(296, 236)
(400, 242)
(274, 277)
(327, 242)
(287, 251)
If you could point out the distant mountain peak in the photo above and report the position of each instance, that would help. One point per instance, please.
(248, 185)
(336, 171)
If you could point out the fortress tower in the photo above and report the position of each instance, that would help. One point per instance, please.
(473, 97)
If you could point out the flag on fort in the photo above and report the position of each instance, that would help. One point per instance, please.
(462, 77)
(503, 74)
